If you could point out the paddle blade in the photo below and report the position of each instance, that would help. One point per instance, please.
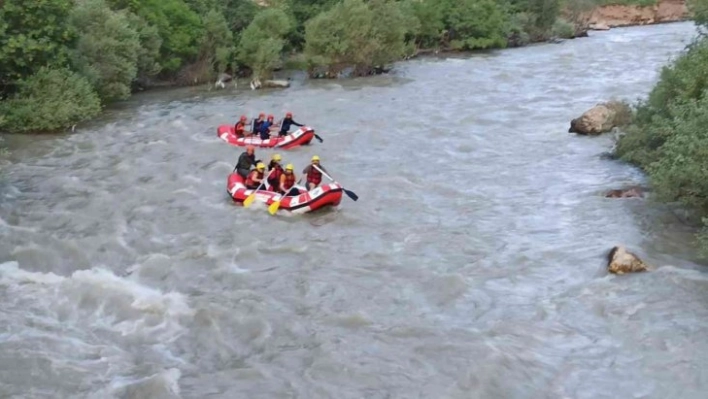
(273, 208)
(318, 138)
(249, 200)
(350, 194)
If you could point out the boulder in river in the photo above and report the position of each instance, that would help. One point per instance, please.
(621, 261)
(223, 78)
(276, 83)
(630, 192)
(272, 83)
(601, 118)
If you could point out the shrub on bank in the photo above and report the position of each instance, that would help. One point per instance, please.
(49, 100)
(107, 50)
(669, 138)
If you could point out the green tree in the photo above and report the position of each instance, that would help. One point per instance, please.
(354, 33)
(546, 12)
(388, 30)
(218, 43)
(179, 27)
(302, 11)
(49, 100)
(149, 51)
(33, 34)
(476, 24)
(262, 42)
(429, 25)
(107, 50)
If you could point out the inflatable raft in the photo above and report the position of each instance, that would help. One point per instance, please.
(306, 201)
(301, 136)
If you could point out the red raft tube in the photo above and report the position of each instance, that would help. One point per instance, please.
(301, 136)
(307, 201)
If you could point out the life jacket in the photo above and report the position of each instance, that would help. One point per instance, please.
(314, 176)
(240, 127)
(249, 180)
(274, 178)
(289, 181)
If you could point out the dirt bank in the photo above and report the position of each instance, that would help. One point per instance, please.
(627, 15)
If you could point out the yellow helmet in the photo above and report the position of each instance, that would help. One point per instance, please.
(277, 157)
(260, 166)
(315, 158)
(289, 167)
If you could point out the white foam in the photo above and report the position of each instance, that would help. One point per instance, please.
(99, 299)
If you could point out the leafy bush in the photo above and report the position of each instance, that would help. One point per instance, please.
(354, 33)
(33, 34)
(563, 29)
(262, 42)
(49, 100)
(669, 138)
(218, 43)
(179, 27)
(107, 50)
(699, 9)
(680, 83)
(476, 24)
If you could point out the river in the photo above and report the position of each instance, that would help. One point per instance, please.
(472, 266)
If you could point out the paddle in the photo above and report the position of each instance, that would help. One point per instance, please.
(350, 194)
(249, 200)
(273, 208)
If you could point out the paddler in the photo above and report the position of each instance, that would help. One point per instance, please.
(245, 161)
(258, 122)
(254, 179)
(265, 128)
(287, 179)
(314, 176)
(287, 122)
(240, 127)
(274, 172)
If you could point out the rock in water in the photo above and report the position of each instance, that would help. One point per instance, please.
(601, 118)
(632, 192)
(223, 78)
(621, 261)
(276, 83)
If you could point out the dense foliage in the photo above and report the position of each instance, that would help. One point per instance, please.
(50, 99)
(668, 138)
(118, 46)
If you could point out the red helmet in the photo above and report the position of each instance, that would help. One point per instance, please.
(243, 118)
(261, 115)
(289, 115)
(270, 117)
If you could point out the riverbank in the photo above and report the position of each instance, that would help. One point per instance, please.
(49, 96)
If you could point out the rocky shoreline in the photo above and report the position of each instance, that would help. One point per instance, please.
(614, 16)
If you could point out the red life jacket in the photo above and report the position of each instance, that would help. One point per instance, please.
(289, 181)
(249, 180)
(240, 126)
(314, 176)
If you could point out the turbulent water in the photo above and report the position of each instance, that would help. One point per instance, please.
(472, 265)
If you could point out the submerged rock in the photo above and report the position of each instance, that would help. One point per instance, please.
(631, 192)
(276, 83)
(601, 118)
(621, 261)
(223, 78)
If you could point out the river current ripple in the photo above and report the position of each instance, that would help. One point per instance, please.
(472, 265)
